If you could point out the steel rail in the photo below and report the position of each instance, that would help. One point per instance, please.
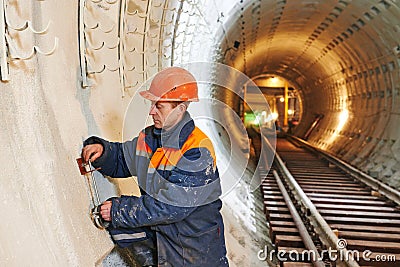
(375, 184)
(305, 236)
(327, 236)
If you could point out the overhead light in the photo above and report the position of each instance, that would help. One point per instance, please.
(274, 80)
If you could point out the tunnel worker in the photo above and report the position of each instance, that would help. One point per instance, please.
(290, 125)
(176, 221)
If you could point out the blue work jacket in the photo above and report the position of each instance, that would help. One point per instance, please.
(180, 188)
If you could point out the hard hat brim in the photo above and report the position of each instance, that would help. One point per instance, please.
(149, 96)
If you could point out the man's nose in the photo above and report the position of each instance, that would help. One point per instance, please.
(153, 110)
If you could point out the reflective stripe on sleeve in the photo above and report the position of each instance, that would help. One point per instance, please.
(129, 236)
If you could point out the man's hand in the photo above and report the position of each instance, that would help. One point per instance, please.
(92, 152)
(105, 210)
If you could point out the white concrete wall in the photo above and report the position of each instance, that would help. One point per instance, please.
(45, 115)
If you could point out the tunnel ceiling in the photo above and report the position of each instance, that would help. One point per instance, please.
(310, 41)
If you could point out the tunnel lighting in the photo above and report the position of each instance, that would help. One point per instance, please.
(290, 112)
(264, 113)
(282, 99)
(274, 80)
(343, 116)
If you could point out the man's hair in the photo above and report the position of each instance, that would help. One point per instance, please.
(174, 104)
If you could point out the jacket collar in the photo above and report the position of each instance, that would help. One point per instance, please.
(174, 137)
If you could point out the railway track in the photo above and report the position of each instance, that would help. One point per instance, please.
(350, 223)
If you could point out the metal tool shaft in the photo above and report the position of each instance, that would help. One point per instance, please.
(96, 193)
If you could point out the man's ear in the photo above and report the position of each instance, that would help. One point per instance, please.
(182, 107)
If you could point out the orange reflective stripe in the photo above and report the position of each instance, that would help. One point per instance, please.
(198, 139)
(168, 158)
(173, 156)
(165, 158)
(142, 149)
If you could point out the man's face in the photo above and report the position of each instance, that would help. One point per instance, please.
(165, 114)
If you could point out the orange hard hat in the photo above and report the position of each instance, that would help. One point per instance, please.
(172, 84)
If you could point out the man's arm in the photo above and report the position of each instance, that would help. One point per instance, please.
(113, 159)
(131, 212)
(175, 198)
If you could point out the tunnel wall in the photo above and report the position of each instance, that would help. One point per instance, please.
(359, 98)
(46, 114)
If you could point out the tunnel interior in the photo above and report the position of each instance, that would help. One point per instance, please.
(340, 60)
(62, 82)
(342, 57)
